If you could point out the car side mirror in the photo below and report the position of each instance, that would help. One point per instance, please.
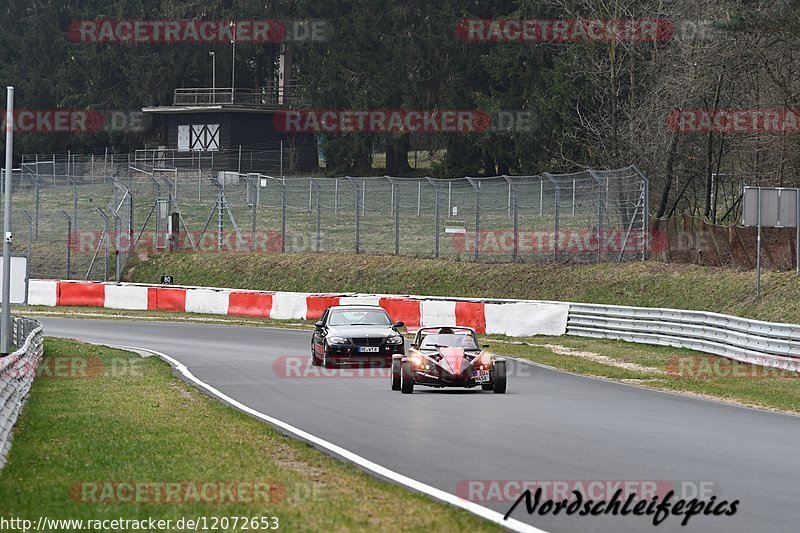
(485, 345)
(319, 325)
(399, 324)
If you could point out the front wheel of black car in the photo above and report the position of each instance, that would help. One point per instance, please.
(396, 375)
(499, 382)
(315, 361)
(327, 363)
(406, 378)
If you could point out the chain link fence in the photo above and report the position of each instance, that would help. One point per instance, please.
(80, 226)
(17, 371)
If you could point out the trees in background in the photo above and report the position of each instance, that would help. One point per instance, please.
(592, 104)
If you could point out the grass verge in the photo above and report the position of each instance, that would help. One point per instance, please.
(82, 430)
(661, 367)
(648, 284)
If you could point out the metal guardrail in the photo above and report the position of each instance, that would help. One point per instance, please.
(16, 376)
(750, 341)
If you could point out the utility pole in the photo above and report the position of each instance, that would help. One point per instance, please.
(5, 323)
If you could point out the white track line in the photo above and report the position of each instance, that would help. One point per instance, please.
(413, 484)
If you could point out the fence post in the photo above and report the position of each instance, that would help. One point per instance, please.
(69, 243)
(356, 211)
(516, 223)
(117, 231)
(254, 183)
(557, 195)
(358, 221)
(75, 206)
(363, 197)
(283, 214)
(319, 220)
(108, 241)
(541, 198)
(476, 186)
(573, 197)
(396, 196)
(36, 212)
(436, 227)
(30, 232)
(131, 223)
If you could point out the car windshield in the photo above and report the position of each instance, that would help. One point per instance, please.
(359, 317)
(457, 340)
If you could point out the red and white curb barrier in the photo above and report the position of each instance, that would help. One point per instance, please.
(515, 318)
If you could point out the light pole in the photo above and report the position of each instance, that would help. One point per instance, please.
(5, 322)
(233, 60)
(213, 77)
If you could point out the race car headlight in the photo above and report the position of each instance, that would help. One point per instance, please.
(416, 359)
(485, 359)
(394, 339)
(336, 340)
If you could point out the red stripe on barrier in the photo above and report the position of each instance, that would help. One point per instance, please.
(315, 305)
(81, 293)
(161, 299)
(471, 314)
(250, 304)
(408, 311)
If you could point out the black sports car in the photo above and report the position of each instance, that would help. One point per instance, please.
(448, 356)
(356, 334)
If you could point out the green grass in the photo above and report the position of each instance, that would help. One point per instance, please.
(712, 376)
(139, 423)
(648, 284)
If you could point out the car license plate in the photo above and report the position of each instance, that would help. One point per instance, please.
(482, 376)
(368, 349)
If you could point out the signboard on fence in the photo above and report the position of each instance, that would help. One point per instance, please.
(19, 279)
(778, 207)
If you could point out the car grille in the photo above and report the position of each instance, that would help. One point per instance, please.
(366, 341)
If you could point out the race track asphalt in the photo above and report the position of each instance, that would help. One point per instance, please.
(549, 426)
